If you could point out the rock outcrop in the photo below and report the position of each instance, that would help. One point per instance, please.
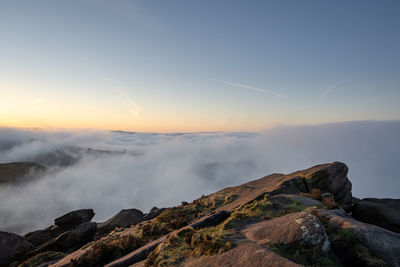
(382, 212)
(298, 219)
(10, 245)
(330, 178)
(71, 239)
(360, 244)
(292, 230)
(124, 218)
(245, 254)
(42, 236)
(74, 218)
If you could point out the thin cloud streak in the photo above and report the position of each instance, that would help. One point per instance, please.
(331, 89)
(255, 89)
(133, 108)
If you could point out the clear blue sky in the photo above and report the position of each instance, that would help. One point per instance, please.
(197, 65)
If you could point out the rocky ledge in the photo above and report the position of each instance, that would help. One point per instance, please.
(306, 218)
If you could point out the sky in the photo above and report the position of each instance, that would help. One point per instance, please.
(167, 66)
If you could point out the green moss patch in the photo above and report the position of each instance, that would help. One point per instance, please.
(303, 256)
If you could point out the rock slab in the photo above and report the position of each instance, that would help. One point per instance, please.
(382, 212)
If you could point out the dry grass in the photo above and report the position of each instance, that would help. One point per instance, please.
(103, 251)
(187, 241)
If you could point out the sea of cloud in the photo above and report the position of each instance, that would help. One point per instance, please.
(163, 169)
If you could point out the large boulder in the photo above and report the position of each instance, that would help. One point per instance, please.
(10, 245)
(124, 218)
(71, 239)
(74, 218)
(298, 229)
(330, 178)
(382, 212)
(360, 244)
(42, 236)
(327, 178)
(244, 254)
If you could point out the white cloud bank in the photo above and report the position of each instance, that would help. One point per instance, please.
(167, 169)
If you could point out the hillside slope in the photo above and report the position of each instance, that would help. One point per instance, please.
(302, 218)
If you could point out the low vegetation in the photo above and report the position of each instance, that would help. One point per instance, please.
(207, 241)
(42, 258)
(302, 255)
(105, 251)
(122, 241)
(350, 249)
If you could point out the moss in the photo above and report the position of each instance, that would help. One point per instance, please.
(187, 241)
(350, 249)
(296, 206)
(348, 236)
(169, 253)
(302, 255)
(256, 210)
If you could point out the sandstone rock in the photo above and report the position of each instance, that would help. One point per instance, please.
(292, 230)
(74, 218)
(351, 237)
(382, 212)
(333, 179)
(41, 236)
(282, 200)
(154, 212)
(244, 254)
(71, 239)
(328, 178)
(124, 218)
(10, 245)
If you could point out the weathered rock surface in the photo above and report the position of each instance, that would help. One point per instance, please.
(296, 229)
(71, 239)
(331, 178)
(282, 200)
(350, 236)
(74, 218)
(41, 236)
(154, 212)
(382, 212)
(16, 172)
(124, 218)
(10, 244)
(244, 254)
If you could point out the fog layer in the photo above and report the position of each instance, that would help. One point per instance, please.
(146, 170)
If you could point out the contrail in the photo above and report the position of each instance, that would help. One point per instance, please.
(331, 89)
(255, 89)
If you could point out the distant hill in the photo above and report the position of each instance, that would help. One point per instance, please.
(17, 172)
